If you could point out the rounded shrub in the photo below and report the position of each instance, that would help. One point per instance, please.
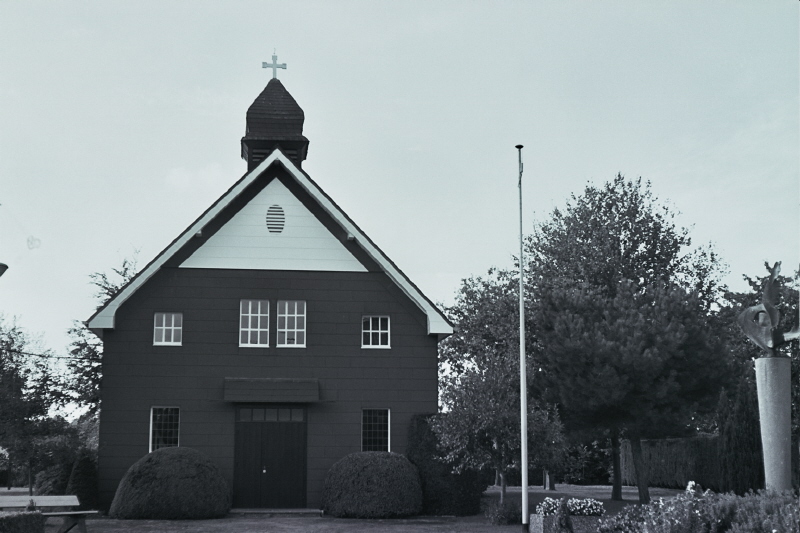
(170, 484)
(372, 485)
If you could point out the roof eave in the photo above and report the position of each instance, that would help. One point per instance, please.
(437, 323)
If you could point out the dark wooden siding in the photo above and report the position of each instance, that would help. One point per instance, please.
(138, 375)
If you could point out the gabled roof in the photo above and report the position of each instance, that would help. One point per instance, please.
(437, 322)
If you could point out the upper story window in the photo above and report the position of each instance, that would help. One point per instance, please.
(254, 323)
(168, 329)
(375, 332)
(165, 423)
(291, 323)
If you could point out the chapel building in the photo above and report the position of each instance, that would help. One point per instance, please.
(272, 334)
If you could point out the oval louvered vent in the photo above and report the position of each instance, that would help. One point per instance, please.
(276, 219)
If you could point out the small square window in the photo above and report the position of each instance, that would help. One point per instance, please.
(375, 332)
(375, 435)
(164, 427)
(291, 323)
(168, 329)
(254, 323)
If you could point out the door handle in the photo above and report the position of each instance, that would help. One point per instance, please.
(263, 470)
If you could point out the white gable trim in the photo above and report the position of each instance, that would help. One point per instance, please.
(437, 324)
(245, 242)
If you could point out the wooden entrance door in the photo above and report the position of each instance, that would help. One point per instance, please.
(270, 457)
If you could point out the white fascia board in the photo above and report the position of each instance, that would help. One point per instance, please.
(437, 324)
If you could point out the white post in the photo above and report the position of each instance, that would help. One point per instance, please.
(523, 385)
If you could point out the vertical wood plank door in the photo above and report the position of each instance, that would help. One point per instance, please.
(270, 458)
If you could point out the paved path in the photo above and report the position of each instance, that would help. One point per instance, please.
(291, 524)
(315, 524)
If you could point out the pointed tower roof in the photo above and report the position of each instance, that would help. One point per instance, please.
(274, 119)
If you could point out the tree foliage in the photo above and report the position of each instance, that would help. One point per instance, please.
(29, 388)
(622, 314)
(642, 361)
(617, 232)
(480, 384)
(486, 319)
(85, 348)
(108, 285)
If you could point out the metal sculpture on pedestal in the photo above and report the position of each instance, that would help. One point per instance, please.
(773, 380)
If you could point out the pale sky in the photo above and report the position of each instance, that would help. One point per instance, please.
(120, 123)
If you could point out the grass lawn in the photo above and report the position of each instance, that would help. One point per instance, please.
(303, 524)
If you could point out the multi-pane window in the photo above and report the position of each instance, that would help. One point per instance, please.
(291, 323)
(254, 323)
(164, 427)
(168, 329)
(375, 332)
(375, 430)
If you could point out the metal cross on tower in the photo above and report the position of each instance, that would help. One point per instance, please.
(274, 66)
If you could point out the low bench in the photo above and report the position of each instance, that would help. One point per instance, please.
(71, 518)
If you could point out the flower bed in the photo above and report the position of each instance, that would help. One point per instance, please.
(584, 514)
(549, 524)
(699, 511)
(576, 507)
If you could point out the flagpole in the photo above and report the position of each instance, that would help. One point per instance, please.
(523, 385)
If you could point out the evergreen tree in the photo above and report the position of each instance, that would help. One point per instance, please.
(622, 316)
(83, 480)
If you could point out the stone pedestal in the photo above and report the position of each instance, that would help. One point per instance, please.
(773, 378)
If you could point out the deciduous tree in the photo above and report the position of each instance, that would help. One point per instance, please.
(480, 385)
(28, 389)
(85, 348)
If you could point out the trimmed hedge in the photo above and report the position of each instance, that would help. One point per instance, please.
(372, 485)
(22, 522)
(171, 484)
(673, 463)
(83, 480)
(443, 492)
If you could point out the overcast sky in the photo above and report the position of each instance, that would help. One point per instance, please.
(120, 123)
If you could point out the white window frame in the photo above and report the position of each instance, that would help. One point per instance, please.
(164, 328)
(262, 319)
(285, 330)
(152, 409)
(378, 331)
(388, 426)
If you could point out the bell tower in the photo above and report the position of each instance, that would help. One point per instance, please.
(274, 120)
